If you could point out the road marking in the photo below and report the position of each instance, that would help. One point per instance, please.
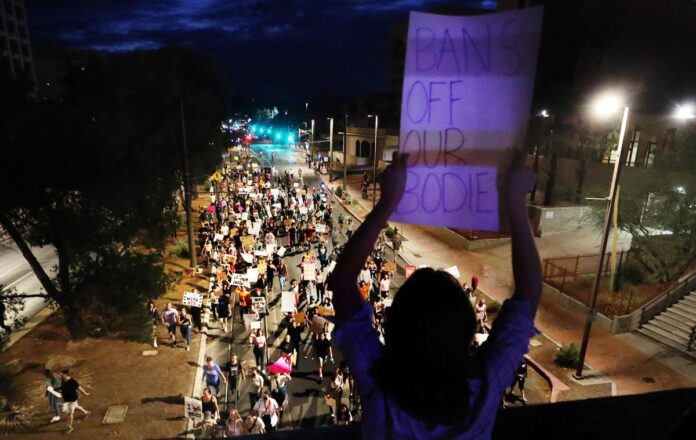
(12, 284)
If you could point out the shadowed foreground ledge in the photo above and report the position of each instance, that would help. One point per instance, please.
(641, 416)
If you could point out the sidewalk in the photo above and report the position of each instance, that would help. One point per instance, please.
(632, 370)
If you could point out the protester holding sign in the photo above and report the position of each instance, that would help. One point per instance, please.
(428, 409)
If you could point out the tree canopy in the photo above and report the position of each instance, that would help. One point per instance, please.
(95, 172)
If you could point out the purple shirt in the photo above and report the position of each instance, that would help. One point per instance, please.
(497, 361)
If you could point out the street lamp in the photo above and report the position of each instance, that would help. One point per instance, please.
(345, 154)
(374, 166)
(685, 111)
(604, 106)
(330, 144)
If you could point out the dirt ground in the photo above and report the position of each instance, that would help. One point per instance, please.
(114, 372)
(629, 299)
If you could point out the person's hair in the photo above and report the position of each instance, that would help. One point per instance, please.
(431, 323)
(49, 374)
(209, 358)
(65, 371)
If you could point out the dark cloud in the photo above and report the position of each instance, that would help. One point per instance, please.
(286, 47)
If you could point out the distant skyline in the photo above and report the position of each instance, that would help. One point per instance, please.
(289, 49)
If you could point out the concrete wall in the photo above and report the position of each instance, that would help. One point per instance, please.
(558, 218)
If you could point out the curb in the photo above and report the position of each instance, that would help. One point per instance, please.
(198, 377)
(557, 387)
(357, 217)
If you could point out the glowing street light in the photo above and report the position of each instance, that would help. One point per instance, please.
(544, 113)
(685, 111)
(607, 104)
(604, 106)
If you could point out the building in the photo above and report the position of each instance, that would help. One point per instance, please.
(15, 54)
(361, 145)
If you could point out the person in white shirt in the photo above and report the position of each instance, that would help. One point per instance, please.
(384, 284)
(267, 408)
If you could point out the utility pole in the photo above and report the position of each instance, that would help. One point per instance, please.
(330, 141)
(345, 155)
(374, 166)
(187, 192)
(311, 159)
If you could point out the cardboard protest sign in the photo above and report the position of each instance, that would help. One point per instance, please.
(323, 311)
(258, 304)
(260, 253)
(245, 215)
(309, 271)
(300, 318)
(281, 251)
(321, 229)
(467, 91)
(275, 192)
(409, 270)
(303, 210)
(248, 258)
(252, 274)
(247, 240)
(454, 271)
(390, 267)
(218, 237)
(287, 302)
(239, 279)
(262, 266)
(192, 299)
(270, 248)
(255, 325)
(193, 409)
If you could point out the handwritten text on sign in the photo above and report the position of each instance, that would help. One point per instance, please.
(467, 92)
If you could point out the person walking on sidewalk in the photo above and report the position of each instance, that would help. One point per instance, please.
(171, 319)
(70, 388)
(519, 380)
(156, 319)
(185, 327)
(213, 376)
(54, 397)
(465, 405)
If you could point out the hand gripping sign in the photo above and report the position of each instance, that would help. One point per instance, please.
(466, 97)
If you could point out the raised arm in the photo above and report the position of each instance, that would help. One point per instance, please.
(343, 280)
(526, 266)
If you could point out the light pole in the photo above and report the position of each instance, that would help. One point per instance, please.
(605, 106)
(312, 146)
(374, 166)
(345, 155)
(330, 145)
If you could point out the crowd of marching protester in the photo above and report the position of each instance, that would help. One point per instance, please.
(256, 220)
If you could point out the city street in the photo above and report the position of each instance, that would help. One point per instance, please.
(15, 273)
(307, 407)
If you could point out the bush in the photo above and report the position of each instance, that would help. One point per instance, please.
(568, 356)
(339, 191)
(493, 307)
(632, 273)
(389, 232)
(180, 249)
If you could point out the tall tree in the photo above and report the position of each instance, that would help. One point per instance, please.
(95, 173)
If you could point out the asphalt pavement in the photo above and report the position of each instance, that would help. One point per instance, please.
(306, 405)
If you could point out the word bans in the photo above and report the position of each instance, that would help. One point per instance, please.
(457, 196)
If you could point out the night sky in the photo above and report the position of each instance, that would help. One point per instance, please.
(273, 48)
